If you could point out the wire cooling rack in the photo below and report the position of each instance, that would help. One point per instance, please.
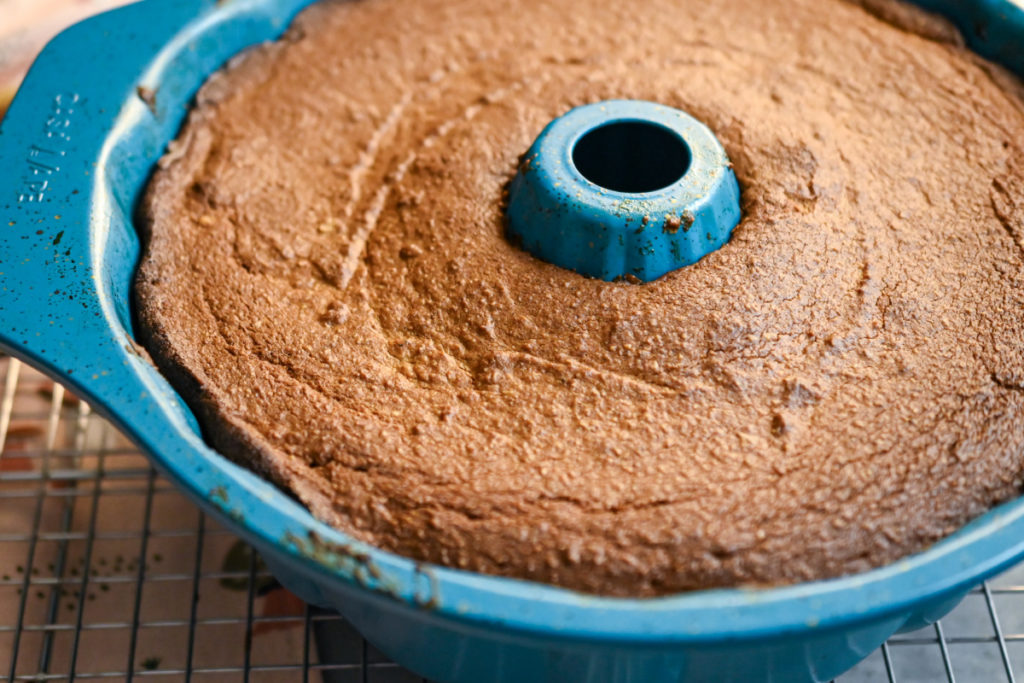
(107, 573)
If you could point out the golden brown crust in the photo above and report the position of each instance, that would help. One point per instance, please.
(327, 283)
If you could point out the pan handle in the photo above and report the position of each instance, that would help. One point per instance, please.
(89, 122)
(92, 117)
(76, 147)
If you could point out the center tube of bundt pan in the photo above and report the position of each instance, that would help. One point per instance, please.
(623, 189)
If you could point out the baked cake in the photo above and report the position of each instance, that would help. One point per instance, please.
(327, 281)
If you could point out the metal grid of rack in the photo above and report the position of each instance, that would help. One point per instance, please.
(106, 572)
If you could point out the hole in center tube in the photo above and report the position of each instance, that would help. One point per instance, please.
(631, 156)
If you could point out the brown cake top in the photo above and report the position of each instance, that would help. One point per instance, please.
(327, 282)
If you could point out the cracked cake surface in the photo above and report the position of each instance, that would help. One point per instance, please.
(327, 282)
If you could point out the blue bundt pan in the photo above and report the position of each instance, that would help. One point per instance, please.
(93, 116)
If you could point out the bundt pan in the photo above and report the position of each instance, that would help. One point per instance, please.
(93, 116)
